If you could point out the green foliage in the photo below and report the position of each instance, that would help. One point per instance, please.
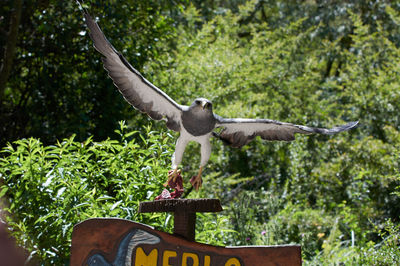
(385, 252)
(296, 224)
(330, 189)
(58, 86)
(52, 188)
(213, 229)
(307, 62)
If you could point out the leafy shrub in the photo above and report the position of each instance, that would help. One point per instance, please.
(299, 225)
(385, 252)
(332, 189)
(48, 189)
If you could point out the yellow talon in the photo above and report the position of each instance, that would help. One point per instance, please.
(196, 181)
(172, 175)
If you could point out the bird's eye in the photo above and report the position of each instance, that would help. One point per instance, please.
(198, 102)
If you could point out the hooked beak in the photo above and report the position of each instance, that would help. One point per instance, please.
(204, 104)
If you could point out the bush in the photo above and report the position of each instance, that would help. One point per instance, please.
(48, 189)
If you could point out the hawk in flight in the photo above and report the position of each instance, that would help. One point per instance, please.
(195, 122)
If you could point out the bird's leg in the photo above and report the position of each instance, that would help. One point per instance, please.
(176, 160)
(196, 181)
(172, 176)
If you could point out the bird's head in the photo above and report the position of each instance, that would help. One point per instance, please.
(201, 104)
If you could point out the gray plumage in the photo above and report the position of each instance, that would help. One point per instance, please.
(196, 122)
(198, 119)
(238, 132)
(137, 90)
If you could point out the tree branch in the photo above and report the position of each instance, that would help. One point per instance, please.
(11, 43)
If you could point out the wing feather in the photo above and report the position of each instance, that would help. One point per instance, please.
(136, 90)
(238, 132)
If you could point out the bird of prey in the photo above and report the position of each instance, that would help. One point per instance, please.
(196, 122)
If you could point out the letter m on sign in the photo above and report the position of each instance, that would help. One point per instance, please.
(146, 260)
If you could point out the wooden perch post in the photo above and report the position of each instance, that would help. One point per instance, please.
(184, 212)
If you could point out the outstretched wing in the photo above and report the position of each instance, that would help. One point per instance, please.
(238, 132)
(137, 90)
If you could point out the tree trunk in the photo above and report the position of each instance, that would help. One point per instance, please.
(11, 43)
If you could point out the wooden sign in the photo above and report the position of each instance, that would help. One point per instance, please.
(110, 241)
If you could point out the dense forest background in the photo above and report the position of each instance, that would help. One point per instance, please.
(66, 156)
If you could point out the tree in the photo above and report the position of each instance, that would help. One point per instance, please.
(9, 51)
(55, 86)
